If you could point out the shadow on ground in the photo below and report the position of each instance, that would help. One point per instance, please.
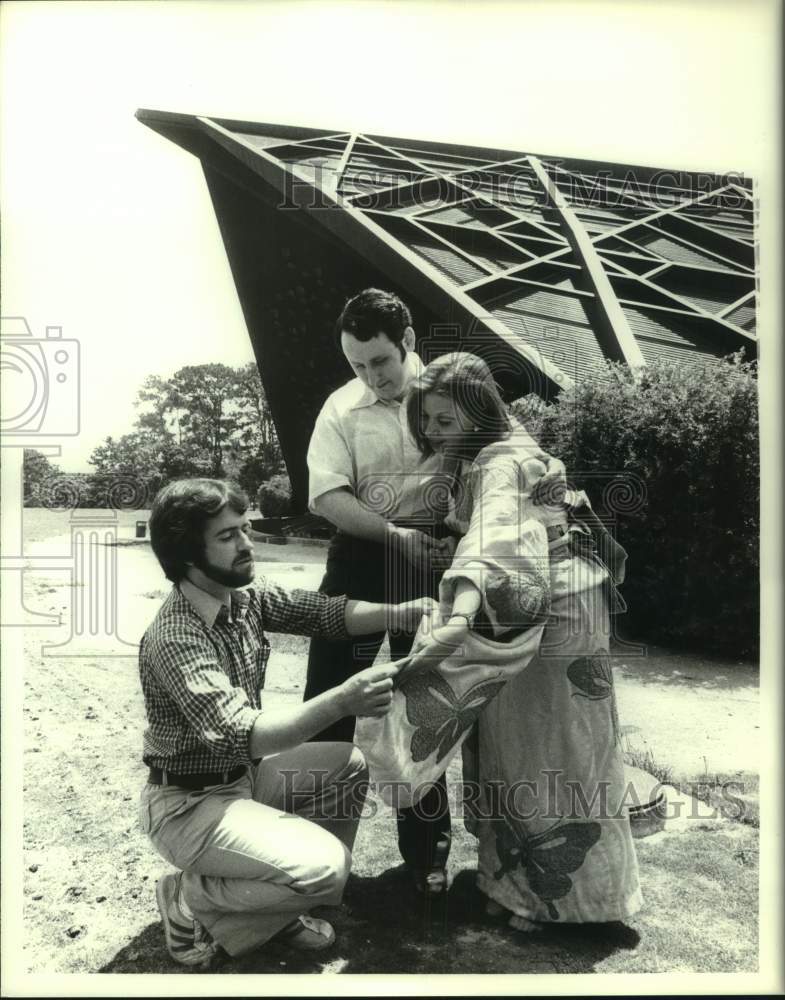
(649, 664)
(384, 927)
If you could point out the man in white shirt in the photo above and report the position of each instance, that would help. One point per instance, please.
(367, 477)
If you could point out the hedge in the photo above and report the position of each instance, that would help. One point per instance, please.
(671, 460)
(274, 497)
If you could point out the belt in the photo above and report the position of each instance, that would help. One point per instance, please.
(158, 776)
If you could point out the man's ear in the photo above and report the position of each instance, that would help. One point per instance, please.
(409, 338)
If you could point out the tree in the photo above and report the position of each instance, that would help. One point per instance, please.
(196, 406)
(37, 471)
(140, 464)
(256, 440)
(206, 420)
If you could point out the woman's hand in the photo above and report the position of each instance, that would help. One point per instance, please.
(438, 643)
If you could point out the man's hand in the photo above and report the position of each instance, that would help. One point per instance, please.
(414, 545)
(550, 489)
(442, 553)
(406, 617)
(369, 692)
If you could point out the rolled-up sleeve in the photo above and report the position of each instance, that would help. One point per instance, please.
(184, 664)
(504, 553)
(302, 612)
(330, 464)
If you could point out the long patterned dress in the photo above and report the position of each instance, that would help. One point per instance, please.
(544, 774)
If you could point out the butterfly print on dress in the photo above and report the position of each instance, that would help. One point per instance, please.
(441, 717)
(548, 858)
(593, 677)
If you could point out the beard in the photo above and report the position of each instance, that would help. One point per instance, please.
(238, 576)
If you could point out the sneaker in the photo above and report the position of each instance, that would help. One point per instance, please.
(186, 940)
(306, 934)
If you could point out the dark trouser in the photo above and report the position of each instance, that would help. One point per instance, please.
(366, 571)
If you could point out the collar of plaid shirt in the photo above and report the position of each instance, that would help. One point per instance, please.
(210, 608)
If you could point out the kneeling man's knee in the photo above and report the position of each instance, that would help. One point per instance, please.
(328, 870)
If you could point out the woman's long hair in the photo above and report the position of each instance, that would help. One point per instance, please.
(467, 380)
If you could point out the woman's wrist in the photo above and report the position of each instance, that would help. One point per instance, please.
(459, 617)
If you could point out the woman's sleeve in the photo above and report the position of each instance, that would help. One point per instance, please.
(505, 550)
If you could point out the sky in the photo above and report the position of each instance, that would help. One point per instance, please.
(108, 230)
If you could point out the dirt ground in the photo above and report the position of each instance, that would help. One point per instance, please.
(89, 900)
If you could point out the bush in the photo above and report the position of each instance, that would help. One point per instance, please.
(671, 459)
(274, 497)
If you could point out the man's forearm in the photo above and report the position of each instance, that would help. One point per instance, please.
(364, 617)
(284, 728)
(343, 510)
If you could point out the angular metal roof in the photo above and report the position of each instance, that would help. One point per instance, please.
(543, 265)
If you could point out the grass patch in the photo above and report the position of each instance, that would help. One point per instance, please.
(645, 760)
(699, 915)
(732, 795)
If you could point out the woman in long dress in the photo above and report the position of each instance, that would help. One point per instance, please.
(544, 777)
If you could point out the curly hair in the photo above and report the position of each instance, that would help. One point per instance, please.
(178, 516)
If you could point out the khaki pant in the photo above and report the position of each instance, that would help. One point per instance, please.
(265, 848)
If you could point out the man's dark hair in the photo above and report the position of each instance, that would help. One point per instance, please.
(179, 514)
(372, 312)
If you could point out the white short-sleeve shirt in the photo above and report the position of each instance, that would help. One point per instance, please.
(362, 443)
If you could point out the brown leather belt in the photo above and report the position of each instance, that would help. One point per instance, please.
(194, 782)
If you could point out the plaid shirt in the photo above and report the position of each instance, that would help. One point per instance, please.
(202, 669)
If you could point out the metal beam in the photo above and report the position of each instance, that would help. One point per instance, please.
(735, 305)
(511, 272)
(700, 249)
(607, 185)
(344, 160)
(713, 232)
(570, 293)
(656, 270)
(610, 312)
(655, 257)
(687, 203)
(687, 305)
(469, 257)
(742, 190)
(351, 222)
(474, 194)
